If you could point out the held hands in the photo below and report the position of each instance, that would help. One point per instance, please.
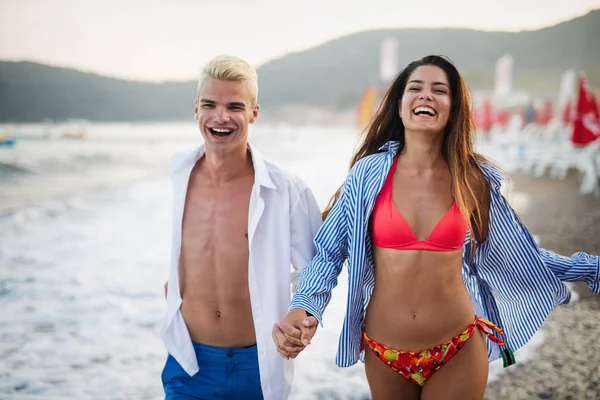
(292, 334)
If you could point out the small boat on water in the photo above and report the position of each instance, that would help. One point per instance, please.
(74, 129)
(7, 140)
(74, 135)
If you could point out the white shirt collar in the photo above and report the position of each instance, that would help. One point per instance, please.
(261, 173)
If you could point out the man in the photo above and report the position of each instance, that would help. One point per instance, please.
(242, 232)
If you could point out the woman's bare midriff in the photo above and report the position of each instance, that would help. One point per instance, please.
(419, 300)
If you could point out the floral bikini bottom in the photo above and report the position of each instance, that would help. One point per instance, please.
(418, 366)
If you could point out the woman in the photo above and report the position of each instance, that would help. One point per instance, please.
(437, 259)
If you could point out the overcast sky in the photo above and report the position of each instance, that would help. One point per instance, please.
(171, 39)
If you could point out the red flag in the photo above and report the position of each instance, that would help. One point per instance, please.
(595, 107)
(586, 125)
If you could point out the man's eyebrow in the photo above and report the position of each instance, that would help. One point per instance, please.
(232, 104)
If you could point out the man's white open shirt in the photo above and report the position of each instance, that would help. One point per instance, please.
(282, 222)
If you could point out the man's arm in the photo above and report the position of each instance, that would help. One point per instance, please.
(305, 222)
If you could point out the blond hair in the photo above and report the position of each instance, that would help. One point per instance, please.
(231, 68)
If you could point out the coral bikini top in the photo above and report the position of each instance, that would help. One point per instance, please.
(390, 229)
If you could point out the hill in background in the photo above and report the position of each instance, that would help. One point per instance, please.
(331, 75)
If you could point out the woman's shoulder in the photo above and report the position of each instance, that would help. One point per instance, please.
(493, 174)
(371, 163)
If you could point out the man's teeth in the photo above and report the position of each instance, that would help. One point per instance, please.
(221, 130)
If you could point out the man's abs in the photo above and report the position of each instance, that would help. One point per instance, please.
(224, 321)
(213, 267)
(215, 292)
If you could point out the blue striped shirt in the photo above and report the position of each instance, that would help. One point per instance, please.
(512, 282)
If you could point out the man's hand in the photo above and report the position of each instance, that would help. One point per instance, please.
(284, 347)
(292, 334)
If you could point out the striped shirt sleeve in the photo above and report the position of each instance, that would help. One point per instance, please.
(579, 267)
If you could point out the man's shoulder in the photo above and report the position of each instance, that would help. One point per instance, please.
(183, 158)
(283, 177)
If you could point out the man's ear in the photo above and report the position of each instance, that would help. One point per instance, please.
(254, 114)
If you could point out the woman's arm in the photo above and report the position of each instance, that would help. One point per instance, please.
(580, 267)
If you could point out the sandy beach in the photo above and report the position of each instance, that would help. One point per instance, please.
(567, 365)
(84, 250)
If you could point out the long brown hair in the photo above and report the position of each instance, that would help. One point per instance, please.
(457, 140)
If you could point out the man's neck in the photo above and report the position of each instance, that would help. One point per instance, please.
(222, 168)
